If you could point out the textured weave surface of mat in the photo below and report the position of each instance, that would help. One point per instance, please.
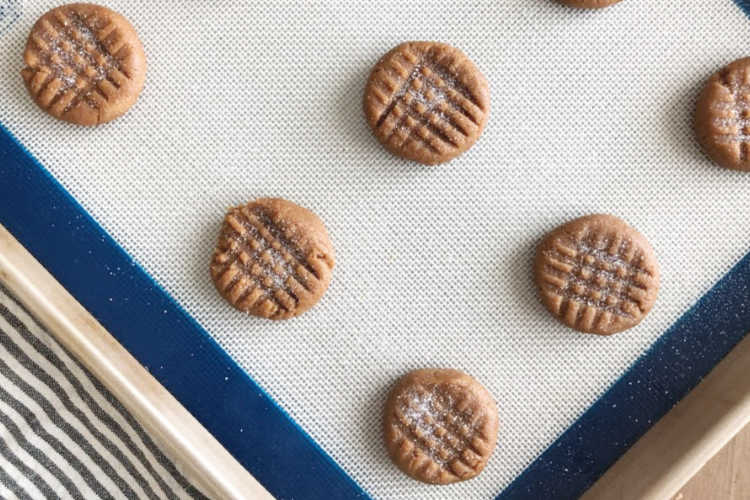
(591, 113)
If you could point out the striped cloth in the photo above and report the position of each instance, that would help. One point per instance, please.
(62, 434)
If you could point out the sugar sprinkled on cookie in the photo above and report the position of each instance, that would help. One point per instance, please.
(597, 274)
(273, 259)
(722, 117)
(84, 64)
(440, 425)
(427, 102)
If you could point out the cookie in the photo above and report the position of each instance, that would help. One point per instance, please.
(722, 116)
(427, 102)
(589, 4)
(273, 258)
(440, 425)
(597, 274)
(84, 64)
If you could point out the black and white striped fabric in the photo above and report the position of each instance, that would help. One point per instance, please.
(62, 434)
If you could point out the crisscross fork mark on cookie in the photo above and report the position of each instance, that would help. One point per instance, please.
(73, 63)
(262, 263)
(739, 106)
(593, 280)
(441, 430)
(429, 99)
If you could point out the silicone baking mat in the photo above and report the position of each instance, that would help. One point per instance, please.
(591, 112)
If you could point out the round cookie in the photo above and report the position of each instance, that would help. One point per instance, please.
(273, 258)
(589, 4)
(722, 116)
(440, 425)
(84, 64)
(427, 102)
(597, 274)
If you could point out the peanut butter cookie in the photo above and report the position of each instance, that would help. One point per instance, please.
(84, 64)
(589, 4)
(427, 102)
(273, 259)
(440, 425)
(722, 117)
(597, 274)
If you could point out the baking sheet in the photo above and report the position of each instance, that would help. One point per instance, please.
(591, 113)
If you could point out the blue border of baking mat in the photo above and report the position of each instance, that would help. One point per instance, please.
(657, 381)
(677, 361)
(148, 322)
(38, 211)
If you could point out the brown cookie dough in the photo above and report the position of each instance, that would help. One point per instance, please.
(597, 274)
(427, 102)
(440, 425)
(589, 4)
(273, 259)
(722, 116)
(84, 64)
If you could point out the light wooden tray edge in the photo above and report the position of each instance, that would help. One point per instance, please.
(197, 454)
(681, 443)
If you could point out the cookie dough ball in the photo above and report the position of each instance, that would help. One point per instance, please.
(589, 4)
(84, 64)
(440, 425)
(722, 116)
(427, 102)
(597, 274)
(273, 258)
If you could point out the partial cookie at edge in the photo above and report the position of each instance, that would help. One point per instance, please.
(722, 116)
(589, 4)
